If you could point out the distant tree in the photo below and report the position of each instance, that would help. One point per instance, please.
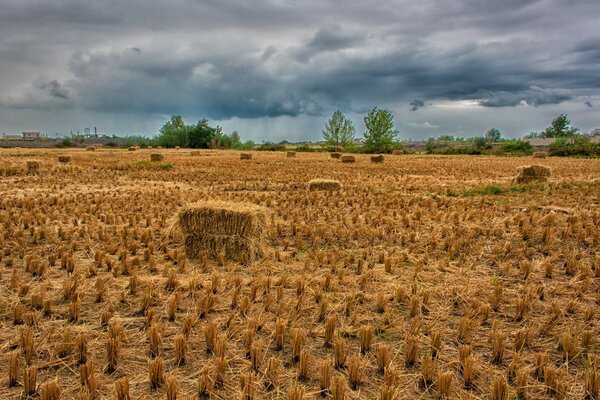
(493, 135)
(173, 133)
(480, 142)
(446, 138)
(202, 136)
(380, 136)
(560, 127)
(339, 130)
(235, 138)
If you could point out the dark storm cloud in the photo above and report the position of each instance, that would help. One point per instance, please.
(224, 59)
(55, 89)
(416, 104)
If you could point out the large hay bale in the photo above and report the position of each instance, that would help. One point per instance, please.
(132, 148)
(398, 152)
(245, 156)
(323, 184)
(157, 157)
(177, 147)
(533, 173)
(235, 229)
(291, 154)
(339, 149)
(64, 159)
(149, 147)
(377, 159)
(540, 154)
(336, 155)
(195, 153)
(33, 167)
(348, 159)
(91, 148)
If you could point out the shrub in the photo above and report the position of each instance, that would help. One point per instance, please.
(516, 146)
(270, 146)
(577, 146)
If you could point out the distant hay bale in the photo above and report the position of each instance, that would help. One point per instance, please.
(177, 147)
(398, 152)
(33, 167)
(149, 147)
(91, 148)
(377, 159)
(348, 159)
(336, 155)
(159, 147)
(245, 156)
(339, 149)
(195, 153)
(132, 148)
(64, 159)
(533, 173)
(237, 230)
(323, 184)
(291, 154)
(540, 154)
(157, 157)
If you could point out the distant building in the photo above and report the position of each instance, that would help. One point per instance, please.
(31, 135)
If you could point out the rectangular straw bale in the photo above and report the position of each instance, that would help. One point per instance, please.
(156, 157)
(377, 159)
(33, 166)
(64, 159)
(336, 155)
(245, 156)
(348, 159)
(237, 229)
(324, 184)
(532, 173)
(291, 154)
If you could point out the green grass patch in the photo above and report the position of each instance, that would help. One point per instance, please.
(491, 190)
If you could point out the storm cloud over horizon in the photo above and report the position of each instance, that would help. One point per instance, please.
(277, 69)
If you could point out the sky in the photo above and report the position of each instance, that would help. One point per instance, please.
(278, 69)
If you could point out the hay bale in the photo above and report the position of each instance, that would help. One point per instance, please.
(324, 184)
(132, 148)
(195, 153)
(533, 173)
(291, 154)
(339, 149)
(149, 147)
(245, 156)
(336, 155)
(377, 159)
(33, 167)
(348, 159)
(157, 157)
(235, 229)
(91, 148)
(177, 147)
(540, 154)
(64, 159)
(398, 152)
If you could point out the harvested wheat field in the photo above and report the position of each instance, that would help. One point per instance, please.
(421, 277)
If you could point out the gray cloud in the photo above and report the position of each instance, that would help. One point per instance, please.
(230, 59)
(416, 104)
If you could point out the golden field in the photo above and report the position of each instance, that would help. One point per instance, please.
(422, 277)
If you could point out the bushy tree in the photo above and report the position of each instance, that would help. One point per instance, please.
(493, 135)
(173, 133)
(380, 136)
(339, 130)
(560, 127)
(201, 135)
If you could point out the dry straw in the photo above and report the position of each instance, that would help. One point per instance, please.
(540, 154)
(235, 230)
(157, 157)
(533, 173)
(336, 155)
(245, 156)
(290, 154)
(33, 167)
(377, 159)
(348, 159)
(323, 184)
(64, 159)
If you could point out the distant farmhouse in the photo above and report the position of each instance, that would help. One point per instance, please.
(32, 135)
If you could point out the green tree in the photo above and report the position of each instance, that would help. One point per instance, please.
(339, 130)
(560, 127)
(202, 136)
(173, 133)
(493, 135)
(380, 136)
